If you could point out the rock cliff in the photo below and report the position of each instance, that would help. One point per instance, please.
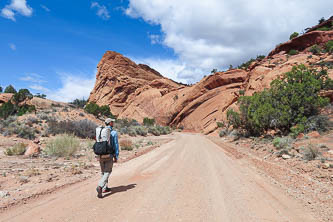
(138, 91)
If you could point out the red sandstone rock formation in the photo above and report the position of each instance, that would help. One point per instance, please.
(137, 91)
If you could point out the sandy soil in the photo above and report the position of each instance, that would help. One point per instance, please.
(188, 179)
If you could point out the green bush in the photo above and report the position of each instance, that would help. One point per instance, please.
(38, 95)
(220, 124)
(7, 109)
(0, 89)
(292, 52)
(140, 130)
(294, 35)
(290, 101)
(315, 49)
(148, 122)
(154, 130)
(22, 95)
(62, 146)
(79, 103)
(97, 110)
(329, 46)
(17, 149)
(282, 143)
(325, 29)
(25, 109)
(10, 89)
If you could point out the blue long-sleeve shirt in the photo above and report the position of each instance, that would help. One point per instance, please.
(114, 142)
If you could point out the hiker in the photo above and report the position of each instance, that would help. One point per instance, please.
(108, 137)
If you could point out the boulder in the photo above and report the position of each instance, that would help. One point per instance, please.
(33, 148)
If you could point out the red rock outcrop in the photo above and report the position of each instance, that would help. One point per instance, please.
(304, 41)
(137, 91)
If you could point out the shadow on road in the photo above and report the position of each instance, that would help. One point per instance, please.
(119, 189)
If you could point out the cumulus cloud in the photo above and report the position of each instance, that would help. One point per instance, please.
(216, 33)
(16, 7)
(12, 46)
(73, 87)
(102, 11)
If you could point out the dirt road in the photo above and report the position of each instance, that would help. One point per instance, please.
(188, 179)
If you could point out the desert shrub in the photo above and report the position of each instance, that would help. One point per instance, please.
(282, 142)
(97, 110)
(43, 116)
(290, 101)
(10, 89)
(294, 35)
(122, 123)
(324, 29)
(62, 146)
(315, 49)
(31, 120)
(26, 132)
(223, 132)
(22, 95)
(80, 103)
(329, 46)
(140, 130)
(131, 131)
(148, 122)
(292, 52)
(17, 149)
(163, 130)
(220, 124)
(0, 89)
(246, 65)
(126, 144)
(21, 131)
(7, 109)
(310, 152)
(241, 92)
(82, 128)
(38, 95)
(154, 130)
(233, 118)
(25, 109)
(320, 123)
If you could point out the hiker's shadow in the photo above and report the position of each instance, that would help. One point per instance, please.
(119, 189)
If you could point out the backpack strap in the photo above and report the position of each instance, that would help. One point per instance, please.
(100, 134)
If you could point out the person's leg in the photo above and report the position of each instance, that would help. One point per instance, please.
(106, 167)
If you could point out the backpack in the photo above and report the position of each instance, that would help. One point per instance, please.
(102, 145)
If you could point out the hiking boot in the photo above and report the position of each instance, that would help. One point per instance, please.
(106, 190)
(99, 192)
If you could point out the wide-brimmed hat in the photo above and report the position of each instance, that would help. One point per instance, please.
(109, 120)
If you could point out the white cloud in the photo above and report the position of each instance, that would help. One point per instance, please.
(216, 33)
(16, 7)
(45, 8)
(73, 87)
(33, 77)
(102, 11)
(12, 46)
(155, 39)
(39, 88)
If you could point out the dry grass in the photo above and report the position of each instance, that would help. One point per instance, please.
(62, 146)
(17, 149)
(126, 144)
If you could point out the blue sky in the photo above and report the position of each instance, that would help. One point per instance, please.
(53, 46)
